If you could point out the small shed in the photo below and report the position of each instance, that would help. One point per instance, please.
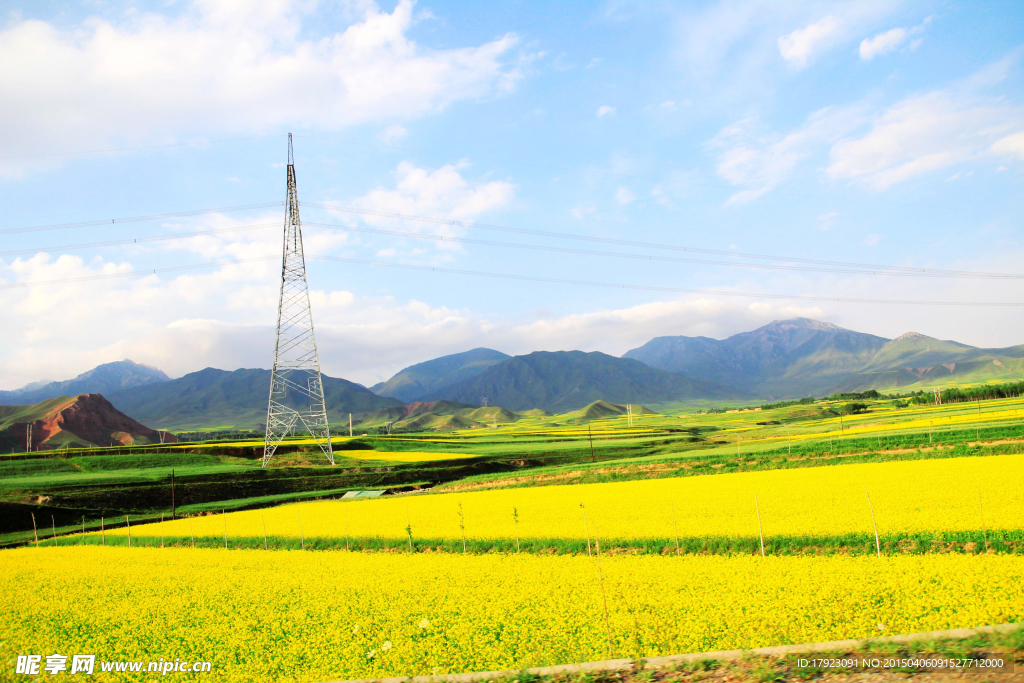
(363, 494)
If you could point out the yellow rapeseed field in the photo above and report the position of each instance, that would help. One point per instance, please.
(912, 496)
(315, 616)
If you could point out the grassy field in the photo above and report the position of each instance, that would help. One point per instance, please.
(62, 488)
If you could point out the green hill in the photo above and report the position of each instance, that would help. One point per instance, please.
(77, 422)
(437, 415)
(599, 410)
(801, 357)
(416, 381)
(561, 381)
(214, 398)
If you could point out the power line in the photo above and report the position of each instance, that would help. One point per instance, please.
(654, 288)
(138, 219)
(135, 149)
(532, 247)
(652, 245)
(134, 273)
(732, 188)
(829, 266)
(141, 240)
(527, 278)
(669, 259)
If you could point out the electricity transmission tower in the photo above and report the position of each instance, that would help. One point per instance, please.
(296, 387)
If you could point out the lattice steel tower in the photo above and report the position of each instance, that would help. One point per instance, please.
(296, 387)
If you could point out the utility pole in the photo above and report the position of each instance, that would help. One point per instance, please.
(28, 438)
(296, 370)
(484, 401)
(172, 494)
(350, 425)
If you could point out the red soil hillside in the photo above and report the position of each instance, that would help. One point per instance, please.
(86, 419)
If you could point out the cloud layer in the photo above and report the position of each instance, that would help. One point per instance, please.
(224, 66)
(874, 146)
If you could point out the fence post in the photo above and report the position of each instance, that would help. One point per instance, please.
(515, 517)
(981, 508)
(878, 546)
(586, 527)
(604, 597)
(462, 525)
(675, 526)
(760, 531)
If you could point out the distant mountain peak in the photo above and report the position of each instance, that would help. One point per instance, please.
(807, 323)
(102, 379)
(910, 336)
(416, 381)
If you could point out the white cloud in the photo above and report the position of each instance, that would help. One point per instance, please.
(441, 193)
(882, 43)
(1011, 144)
(581, 212)
(393, 134)
(826, 221)
(800, 46)
(605, 110)
(224, 66)
(760, 161)
(872, 146)
(624, 196)
(888, 41)
(225, 319)
(923, 134)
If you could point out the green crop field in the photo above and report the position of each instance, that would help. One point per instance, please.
(59, 491)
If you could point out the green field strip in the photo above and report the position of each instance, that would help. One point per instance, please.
(966, 542)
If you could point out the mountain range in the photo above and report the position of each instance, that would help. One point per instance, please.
(417, 381)
(218, 399)
(784, 359)
(803, 357)
(561, 381)
(103, 379)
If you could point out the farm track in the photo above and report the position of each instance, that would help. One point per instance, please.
(1001, 642)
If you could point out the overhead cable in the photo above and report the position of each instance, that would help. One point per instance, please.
(649, 245)
(137, 219)
(135, 273)
(527, 278)
(141, 240)
(655, 288)
(670, 259)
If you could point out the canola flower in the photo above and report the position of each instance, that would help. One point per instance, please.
(956, 494)
(295, 616)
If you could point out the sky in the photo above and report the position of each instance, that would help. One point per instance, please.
(522, 176)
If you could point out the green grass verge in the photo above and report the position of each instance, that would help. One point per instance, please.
(968, 542)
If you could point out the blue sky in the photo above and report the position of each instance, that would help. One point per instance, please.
(880, 133)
